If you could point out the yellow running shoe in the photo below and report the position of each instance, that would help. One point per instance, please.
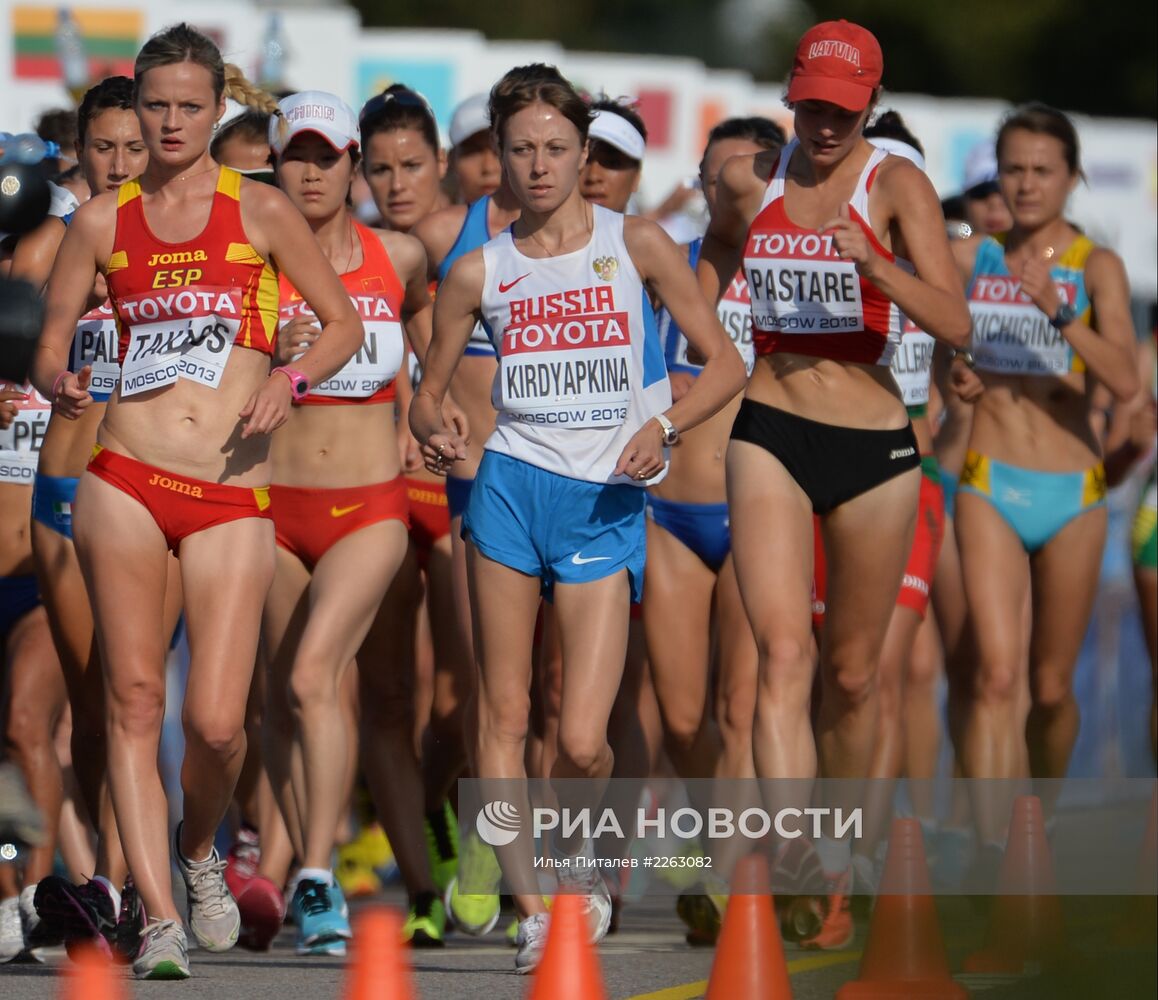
(476, 912)
(442, 845)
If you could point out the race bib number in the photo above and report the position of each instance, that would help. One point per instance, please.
(185, 334)
(1011, 335)
(376, 363)
(798, 284)
(572, 370)
(20, 442)
(95, 344)
(912, 363)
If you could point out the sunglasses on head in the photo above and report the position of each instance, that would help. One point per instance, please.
(404, 98)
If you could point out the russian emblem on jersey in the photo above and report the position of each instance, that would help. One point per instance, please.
(606, 267)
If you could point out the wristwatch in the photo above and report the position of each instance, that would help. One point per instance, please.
(670, 434)
(963, 355)
(1064, 316)
(299, 384)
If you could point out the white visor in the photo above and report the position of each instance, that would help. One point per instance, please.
(617, 131)
(898, 148)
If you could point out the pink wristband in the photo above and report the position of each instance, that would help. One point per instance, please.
(56, 382)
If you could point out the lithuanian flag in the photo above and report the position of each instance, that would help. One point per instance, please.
(111, 38)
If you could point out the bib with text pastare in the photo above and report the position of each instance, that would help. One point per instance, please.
(805, 298)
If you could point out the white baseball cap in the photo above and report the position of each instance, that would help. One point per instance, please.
(617, 131)
(471, 117)
(314, 111)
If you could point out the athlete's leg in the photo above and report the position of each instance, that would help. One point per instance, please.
(995, 571)
(386, 675)
(1065, 583)
(677, 617)
(868, 538)
(226, 572)
(771, 524)
(737, 667)
(124, 558)
(504, 605)
(921, 712)
(444, 748)
(346, 590)
(36, 701)
(283, 621)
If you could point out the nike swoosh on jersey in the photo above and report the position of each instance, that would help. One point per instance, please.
(578, 560)
(506, 286)
(343, 511)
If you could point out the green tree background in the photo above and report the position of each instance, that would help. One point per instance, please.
(1095, 58)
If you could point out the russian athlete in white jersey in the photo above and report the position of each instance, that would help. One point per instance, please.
(583, 420)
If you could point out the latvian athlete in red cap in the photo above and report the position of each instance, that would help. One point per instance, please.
(837, 239)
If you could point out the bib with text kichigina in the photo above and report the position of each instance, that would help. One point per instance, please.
(1011, 336)
(182, 333)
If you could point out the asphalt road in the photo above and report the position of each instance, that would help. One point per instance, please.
(646, 960)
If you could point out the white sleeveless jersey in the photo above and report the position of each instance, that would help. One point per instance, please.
(912, 363)
(20, 442)
(581, 367)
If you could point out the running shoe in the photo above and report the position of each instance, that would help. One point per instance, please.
(588, 882)
(164, 952)
(130, 923)
(425, 925)
(36, 935)
(702, 914)
(213, 916)
(11, 929)
(319, 920)
(512, 933)
(836, 925)
(531, 942)
(77, 913)
(476, 912)
(262, 908)
(797, 870)
(242, 861)
(442, 845)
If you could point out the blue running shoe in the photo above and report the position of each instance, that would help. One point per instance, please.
(318, 919)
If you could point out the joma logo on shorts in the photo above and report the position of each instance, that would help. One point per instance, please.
(184, 257)
(902, 452)
(176, 486)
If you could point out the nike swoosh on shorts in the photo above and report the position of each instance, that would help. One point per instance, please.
(578, 560)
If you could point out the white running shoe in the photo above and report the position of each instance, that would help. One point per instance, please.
(531, 942)
(213, 915)
(164, 952)
(587, 881)
(11, 929)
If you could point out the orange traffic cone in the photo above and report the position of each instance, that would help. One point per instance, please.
(749, 958)
(904, 955)
(91, 977)
(569, 968)
(1026, 926)
(378, 968)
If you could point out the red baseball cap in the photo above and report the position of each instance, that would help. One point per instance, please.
(838, 62)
